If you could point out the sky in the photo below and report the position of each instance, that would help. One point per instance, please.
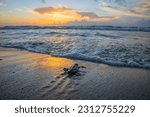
(75, 12)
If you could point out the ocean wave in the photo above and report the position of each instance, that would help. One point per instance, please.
(126, 48)
(117, 28)
(114, 56)
(130, 63)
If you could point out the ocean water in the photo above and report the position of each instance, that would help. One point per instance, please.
(117, 46)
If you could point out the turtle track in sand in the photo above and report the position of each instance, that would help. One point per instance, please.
(62, 85)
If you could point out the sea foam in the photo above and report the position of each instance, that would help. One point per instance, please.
(129, 47)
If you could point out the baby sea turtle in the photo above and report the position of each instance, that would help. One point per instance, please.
(73, 69)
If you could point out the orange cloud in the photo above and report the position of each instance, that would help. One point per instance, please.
(50, 16)
(48, 10)
(63, 15)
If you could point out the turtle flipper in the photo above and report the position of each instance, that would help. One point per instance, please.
(65, 69)
(82, 66)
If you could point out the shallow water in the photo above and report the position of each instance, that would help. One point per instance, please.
(118, 46)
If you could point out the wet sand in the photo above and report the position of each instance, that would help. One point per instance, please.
(28, 75)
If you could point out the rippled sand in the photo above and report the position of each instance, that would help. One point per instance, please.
(27, 75)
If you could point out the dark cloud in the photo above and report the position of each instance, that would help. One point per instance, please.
(112, 2)
(94, 16)
(2, 4)
(43, 1)
(137, 8)
(89, 14)
(143, 8)
(121, 2)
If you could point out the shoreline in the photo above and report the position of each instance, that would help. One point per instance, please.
(80, 59)
(28, 75)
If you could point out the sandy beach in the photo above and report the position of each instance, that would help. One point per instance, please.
(28, 75)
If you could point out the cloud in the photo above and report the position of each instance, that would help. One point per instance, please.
(144, 9)
(130, 12)
(136, 8)
(66, 15)
(112, 3)
(49, 10)
(43, 1)
(121, 2)
(89, 14)
(2, 4)
(92, 17)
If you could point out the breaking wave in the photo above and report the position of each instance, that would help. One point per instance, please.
(116, 48)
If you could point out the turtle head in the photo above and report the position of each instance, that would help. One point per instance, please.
(76, 64)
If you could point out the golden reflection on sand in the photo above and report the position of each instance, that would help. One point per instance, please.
(56, 62)
(53, 64)
(56, 83)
